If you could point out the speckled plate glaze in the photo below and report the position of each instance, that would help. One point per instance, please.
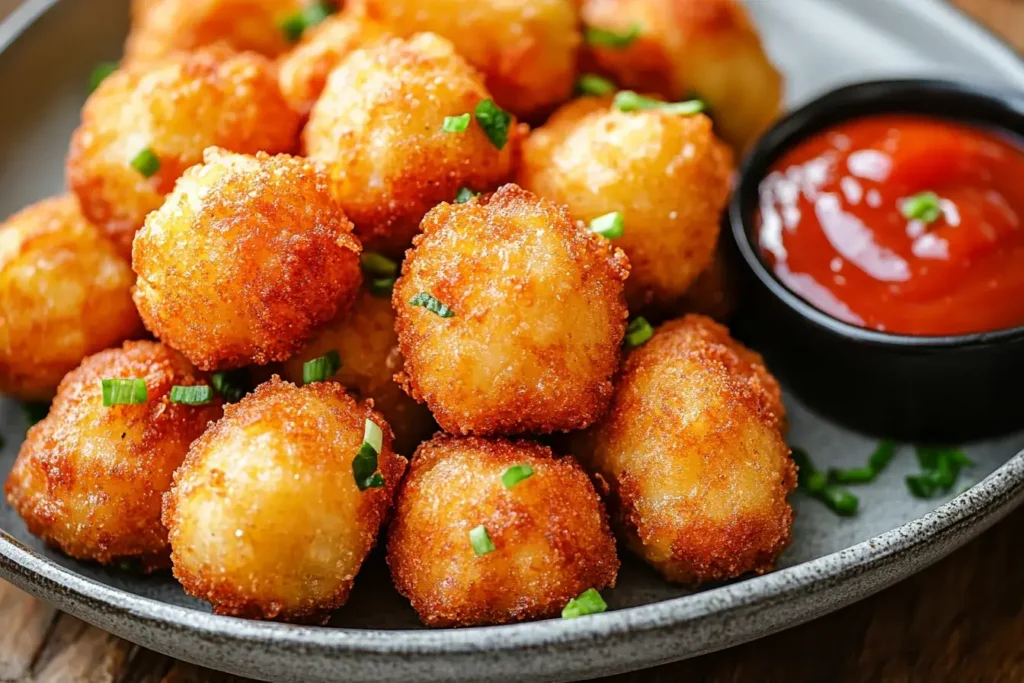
(48, 49)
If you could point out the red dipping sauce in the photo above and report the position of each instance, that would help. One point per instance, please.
(833, 228)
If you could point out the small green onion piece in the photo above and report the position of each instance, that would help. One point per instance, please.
(816, 484)
(100, 73)
(430, 303)
(35, 411)
(119, 392)
(609, 226)
(378, 264)
(589, 602)
(842, 502)
(364, 465)
(602, 37)
(857, 475)
(515, 474)
(627, 100)
(592, 84)
(456, 124)
(481, 541)
(316, 13)
(638, 332)
(197, 395)
(382, 286)
(924, 207)
(230, 384)
(146, 162)
(882, 456)
(322, 368)
(464, 195)
(495, 121)
(940, 468)
(920, 486)
(373, 435)
(293, 27)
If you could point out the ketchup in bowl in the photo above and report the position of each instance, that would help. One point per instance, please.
(900, 223)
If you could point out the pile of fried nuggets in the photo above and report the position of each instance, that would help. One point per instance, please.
(188, 217)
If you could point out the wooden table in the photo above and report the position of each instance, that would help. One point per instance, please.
(961, 620)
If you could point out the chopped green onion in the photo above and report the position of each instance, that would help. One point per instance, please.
(373, 435)
(35, 411)
(118, 392)
(592, 84)
(456, 124)
(817, 485)
(877, 462)
(940, 469)
(609, 226)
(230, 384)
(382, 286)
(146, 163)
(602, 37)
(293, 27)
(882, 456)
(100, 73)
(589, 602)
(196, 395)
(495, 121)
(364, 465)
(316, 13)
(920, 486)
(464, 195)
(430, 303)
(322, 368)
(638, 332)
(481, 541)
(515, 474)
(627, 100)
(924, 207)
(378, 264)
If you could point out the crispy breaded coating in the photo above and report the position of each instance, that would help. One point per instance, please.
(175, 108)
(667, 174)
(525, 49)
(378, 128)
(365, 340)
(715, 291)
(89, 479)
(65, 293)
(685, 48)
(245, 261)
(303, 71)
(266, 519)
(537, 320)
(550, 533)
(693, 454)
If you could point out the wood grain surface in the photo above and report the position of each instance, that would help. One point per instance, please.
(960, 621)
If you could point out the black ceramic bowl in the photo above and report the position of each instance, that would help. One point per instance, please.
(913, 388)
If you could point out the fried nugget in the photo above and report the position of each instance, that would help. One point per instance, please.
(89, 478)
(666, 174)
(548, 533)
(532, 321)
(694, 456)
(270, 517)
(245, 261)
(378, 128)
(145, 125)
(65, 293)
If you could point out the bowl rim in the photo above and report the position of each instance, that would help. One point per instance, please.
(796, 126)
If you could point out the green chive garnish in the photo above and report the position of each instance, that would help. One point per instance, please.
(589, 602)
(464, 195)
(602, 37)
(924, 207)
(120, 392)
(495, 121)
(382, 286)
(638, 332)
(940, 469)
(430, 303)
(817, 485)
(196, 395)
(515, 474)
(100, 73)
(882, 456)
(456, 124)
(293, 27)
(878, 461)
(322, 368)
(481, 542)
(627, 100)
(35, 411)
(610, 225)
(316, 13)
(592, 84)
(364, 465)
(378, 264)
(230, 384)
(146, 162)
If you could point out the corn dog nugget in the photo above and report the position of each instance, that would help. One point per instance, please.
(494, 531)
(278, 504)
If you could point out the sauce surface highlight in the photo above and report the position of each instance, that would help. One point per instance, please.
(834, 225)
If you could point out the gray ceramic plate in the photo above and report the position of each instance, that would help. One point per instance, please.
(48, 51)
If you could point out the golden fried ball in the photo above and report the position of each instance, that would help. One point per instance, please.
(377, 126)
(266, 519)
(550, 533)
(162, 27)
(685, 48)
(365, 340)
(89, 479)
(175, 109)
(692, 451)
(537, 317)
(303, 71)
(525, 49)
(245, 261)
(668, 175)
(65, 293)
